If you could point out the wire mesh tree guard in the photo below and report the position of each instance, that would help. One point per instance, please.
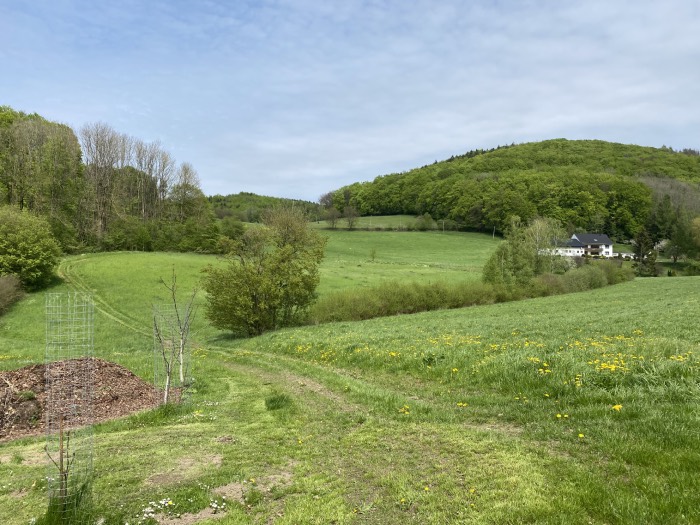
(69, 399)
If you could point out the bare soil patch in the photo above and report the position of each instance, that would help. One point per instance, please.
(186, 467)
(234, 492)
(23, 396)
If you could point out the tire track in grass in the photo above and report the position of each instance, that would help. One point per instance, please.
(341, 388)
(298, 376)
(349, 393)
(66, 272)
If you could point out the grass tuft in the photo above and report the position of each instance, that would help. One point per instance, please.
(278, 401)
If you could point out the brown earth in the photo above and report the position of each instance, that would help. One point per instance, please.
(61, 390)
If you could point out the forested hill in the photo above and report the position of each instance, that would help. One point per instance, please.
(588, 185)
(248, 207)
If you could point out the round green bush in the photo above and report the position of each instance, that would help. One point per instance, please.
(27, 248)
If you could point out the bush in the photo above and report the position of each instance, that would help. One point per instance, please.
(10, 292)
(616, 271)
(692, 268)
(27, 248)
(271, 276)
(395, 298)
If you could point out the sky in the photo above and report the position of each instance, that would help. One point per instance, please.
(295, 98)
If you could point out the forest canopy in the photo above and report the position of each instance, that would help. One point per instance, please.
(587, 185)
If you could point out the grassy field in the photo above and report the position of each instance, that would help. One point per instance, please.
(361, 258)
(571, 409)
(387, 222)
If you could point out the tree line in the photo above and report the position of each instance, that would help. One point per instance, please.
(249, 207)
(101, 189)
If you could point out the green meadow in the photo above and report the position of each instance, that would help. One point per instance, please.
(366, 258)
(581, 408)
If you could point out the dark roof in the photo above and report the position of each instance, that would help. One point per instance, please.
(573, 243)
(591, 238)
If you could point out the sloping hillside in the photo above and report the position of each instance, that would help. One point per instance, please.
(586, 184)
(580, 408)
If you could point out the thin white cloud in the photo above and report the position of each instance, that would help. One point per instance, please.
(298, 97)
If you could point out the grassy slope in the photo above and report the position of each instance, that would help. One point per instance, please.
(435, 418)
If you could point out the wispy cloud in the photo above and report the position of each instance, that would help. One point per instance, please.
(298, 97)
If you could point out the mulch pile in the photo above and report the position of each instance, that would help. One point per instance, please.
(61, 389)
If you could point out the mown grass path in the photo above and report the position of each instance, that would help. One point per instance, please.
(69, 271)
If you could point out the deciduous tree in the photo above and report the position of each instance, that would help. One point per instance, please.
(527, 251)
(351, 215)
(270, 277)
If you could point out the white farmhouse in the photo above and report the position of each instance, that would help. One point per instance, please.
(583, 244)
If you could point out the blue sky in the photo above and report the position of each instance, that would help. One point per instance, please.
(294, 98)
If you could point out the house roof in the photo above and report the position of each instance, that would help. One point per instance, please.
(591, 238)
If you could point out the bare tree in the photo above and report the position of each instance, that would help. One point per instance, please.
(186, 174)
(163, 175)
(125, 150)
(145, 155)
(351, 215)
(172, 336)
(101, 145)
(326, 200)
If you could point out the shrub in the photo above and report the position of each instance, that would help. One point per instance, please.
(393, 298)
(584, 278)
(616, 271)
(10, 292)
(27, 248)
(692, 268)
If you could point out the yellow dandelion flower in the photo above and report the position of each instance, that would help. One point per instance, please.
(617, 407)
(581, 436)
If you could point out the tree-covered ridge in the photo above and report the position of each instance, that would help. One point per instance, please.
(592, 156)
(248, 207)
(587, 184)
(100, 189)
